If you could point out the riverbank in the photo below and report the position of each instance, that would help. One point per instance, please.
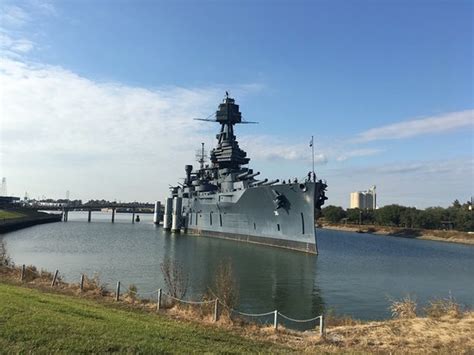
(449, 236)
(18, 218)
(36, 317)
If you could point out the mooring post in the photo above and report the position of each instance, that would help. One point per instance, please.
(113, 215)
(54, 278)
(23, 271)
(117, 293)
(89, 216)
(158, 301)
(216, 310)
(133, 215)
(81, 284)
(321, 325)
(275, 320)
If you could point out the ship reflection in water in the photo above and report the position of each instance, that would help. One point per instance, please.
(354, 273)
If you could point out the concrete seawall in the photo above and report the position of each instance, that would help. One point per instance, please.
(10, 225)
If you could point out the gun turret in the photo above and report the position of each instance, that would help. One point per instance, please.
(252, 175)
(271, 182)
(258, 183)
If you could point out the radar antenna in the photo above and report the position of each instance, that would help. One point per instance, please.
(201, 156)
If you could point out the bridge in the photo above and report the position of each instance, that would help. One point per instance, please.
(133, 208)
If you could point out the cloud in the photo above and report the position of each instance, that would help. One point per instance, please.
(430, 125)
(265, 147)
(13, 16)
(11, 47)
(62, 126)
(358, 153)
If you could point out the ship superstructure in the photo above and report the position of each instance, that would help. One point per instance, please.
(225, 199)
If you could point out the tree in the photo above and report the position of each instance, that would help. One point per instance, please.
(333, 214)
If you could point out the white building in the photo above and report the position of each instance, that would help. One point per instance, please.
(364, 200)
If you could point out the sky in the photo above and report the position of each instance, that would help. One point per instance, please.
(98, 97)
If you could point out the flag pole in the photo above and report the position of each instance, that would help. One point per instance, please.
(312, 150)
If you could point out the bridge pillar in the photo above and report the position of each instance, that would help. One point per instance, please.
(133, 215)
(89, 216)
(113, 215)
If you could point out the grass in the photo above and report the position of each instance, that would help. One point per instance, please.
(33, 321)
(10, 214)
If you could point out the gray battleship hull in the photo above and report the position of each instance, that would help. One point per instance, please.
(250, 215)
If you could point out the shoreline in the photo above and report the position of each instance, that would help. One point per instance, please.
(29, 220)
(411, 233)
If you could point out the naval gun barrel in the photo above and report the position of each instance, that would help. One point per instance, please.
(252, 175)
(258, 183)
(271, 182)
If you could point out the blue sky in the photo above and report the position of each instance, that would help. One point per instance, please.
(386, 88)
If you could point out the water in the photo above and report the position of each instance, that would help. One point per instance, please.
(354, 274)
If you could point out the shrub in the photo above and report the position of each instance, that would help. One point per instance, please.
(404, 308)
(225, 286)
(176, 278)
(443, 307)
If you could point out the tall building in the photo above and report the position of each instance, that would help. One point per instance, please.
(3, 188)
(364, 200)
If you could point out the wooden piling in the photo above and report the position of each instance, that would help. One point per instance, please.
(158, 301)
(133, 215)
(23, 272)
(89, 216)
(54, 278)
(81, 284)
(216, 310)
(117, 293)
(113, 215)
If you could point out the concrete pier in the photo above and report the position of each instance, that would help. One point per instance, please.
(176, 219)
(157, 212)
(167, 215)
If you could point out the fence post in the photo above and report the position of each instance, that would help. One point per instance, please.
(321, 325)
(216, 310)
(158, 303)
(23, 270)
(81, 284)
(117, 293)
(275, 320)
(54, 278)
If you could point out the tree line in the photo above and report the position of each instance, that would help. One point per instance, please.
(458, 216)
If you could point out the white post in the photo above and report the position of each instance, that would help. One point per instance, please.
(275, 320)
(54, 278)
(216, 310)
(321, 325)
(158, 303)
(117, 293)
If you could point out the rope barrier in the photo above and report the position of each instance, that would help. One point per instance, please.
(254, 314)
(298, 320)
(190, 302)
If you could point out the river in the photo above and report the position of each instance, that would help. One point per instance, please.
(354, 274)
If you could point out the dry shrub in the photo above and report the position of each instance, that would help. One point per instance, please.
(225, 286)
(31, 273)
(5, 260)
(176, 278)
(331, 319)
(404, 308)
(94, 285)
(440, 307)
(132, 292)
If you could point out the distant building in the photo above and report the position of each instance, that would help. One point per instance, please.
(364, 200)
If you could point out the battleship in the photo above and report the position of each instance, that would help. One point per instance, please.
(225, 199)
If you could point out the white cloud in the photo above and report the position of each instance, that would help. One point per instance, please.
(356, 153)
(13, 16)
(429, 125)
(65, 129)
(267, 147)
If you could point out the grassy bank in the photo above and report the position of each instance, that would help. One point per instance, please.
(35, 317)
(451, 236)
(4, 214)
(35, 321)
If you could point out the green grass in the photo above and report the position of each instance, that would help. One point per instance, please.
(33, 321)
(10, 215)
